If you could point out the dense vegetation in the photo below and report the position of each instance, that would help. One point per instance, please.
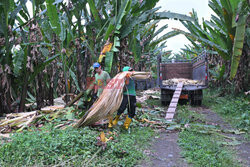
(226, 38)
(48, 51)
(74, 147)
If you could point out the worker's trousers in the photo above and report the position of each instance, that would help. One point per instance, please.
(130, 103)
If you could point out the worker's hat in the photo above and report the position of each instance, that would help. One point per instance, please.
(96, 65)
(127, 68)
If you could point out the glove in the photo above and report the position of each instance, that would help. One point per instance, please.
(128, 75)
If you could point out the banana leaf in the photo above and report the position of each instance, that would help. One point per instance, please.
(132, 22)
(217, 37)
(110, 29)
(136, 48)
(94, 10)
(218, 48)
(160, 30)
(17, 9)
(238, 45)
(164, 37)
(216, 7)
(108, 61)
(53, 16)
(124, 6)
(116, 44)
(73, 76)
(172, 15)
(211, 24)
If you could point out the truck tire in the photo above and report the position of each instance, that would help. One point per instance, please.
(196, 98)
(198, 102)
(166, 96)
(165, 103)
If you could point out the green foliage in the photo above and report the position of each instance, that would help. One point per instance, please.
(186, 116)
(235, 109)
(73, 147)
(224, 33)
(238, 44)
(153, 102)
(53, 16)
(201, 144)
(204, 149)
(129, 148)
(46, 146)
(109, 61)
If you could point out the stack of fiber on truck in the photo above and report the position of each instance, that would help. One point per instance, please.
(110, 99)
(175, 81)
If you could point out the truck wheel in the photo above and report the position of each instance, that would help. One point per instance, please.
(192, 102)
(165, 103)
(198, 102)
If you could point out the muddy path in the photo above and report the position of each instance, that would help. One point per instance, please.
(165, 151)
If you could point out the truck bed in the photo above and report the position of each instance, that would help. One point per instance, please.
(195, 69)
(185, 87)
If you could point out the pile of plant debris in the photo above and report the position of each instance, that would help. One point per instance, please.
(175, 81)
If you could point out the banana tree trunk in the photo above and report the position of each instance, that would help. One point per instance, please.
(80, 74)
(24, 95)
(86, 67)
(51, 90)
(39, 92)
(4, 106)
(242, 78)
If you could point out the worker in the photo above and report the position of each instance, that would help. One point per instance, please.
(101, 79)
(129, 100)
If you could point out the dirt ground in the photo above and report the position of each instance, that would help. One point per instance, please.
(165, 151)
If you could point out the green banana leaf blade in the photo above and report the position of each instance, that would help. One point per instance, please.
(238, 45)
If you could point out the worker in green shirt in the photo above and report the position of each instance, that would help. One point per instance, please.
(129, 100)
(101, 79)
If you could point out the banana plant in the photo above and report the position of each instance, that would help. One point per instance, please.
(221, 33)
(71, 35)
(8, 36)
(241, 17)
(123, 24)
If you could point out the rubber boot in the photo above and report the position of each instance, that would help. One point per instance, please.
(127, 122)
(116, 120)
(110, 122)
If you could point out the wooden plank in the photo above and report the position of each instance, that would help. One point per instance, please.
(171, 110)
(177, 92)
(175, 100)
(169, 116)
(176, 96)
(173, 105)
